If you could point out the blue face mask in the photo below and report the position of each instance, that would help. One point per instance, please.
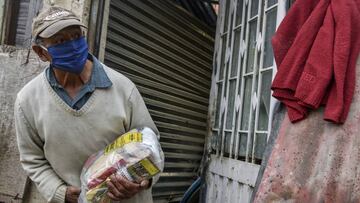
(69, 56)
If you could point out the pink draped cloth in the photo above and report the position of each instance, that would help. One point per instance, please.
(315, 161)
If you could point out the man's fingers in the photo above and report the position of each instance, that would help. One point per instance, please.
(118, 185)
(72, 194)
(124, 182)
(73, 190)
(144, 184)
(73, 200)
(125, 186)
(76, 191)
(113, 196)
(115, 192)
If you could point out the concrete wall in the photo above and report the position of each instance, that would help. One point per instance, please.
(17, 67)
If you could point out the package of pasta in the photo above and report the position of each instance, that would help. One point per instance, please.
(134, 155)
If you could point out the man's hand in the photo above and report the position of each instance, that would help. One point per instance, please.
(120, 188)
(72, 194)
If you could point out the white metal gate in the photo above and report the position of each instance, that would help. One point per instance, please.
(241, 102)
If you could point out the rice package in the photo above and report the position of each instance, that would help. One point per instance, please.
(134, 155)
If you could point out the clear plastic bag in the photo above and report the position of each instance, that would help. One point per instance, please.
(134, 155)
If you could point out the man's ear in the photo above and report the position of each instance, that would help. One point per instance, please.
(43, 55)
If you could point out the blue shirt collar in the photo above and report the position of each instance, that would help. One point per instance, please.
(98, 78)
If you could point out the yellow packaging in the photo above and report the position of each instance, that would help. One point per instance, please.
(123, 140)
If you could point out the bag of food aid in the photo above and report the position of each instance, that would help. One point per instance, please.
(134, 155)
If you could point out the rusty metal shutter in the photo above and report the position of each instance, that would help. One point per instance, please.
(167, 53)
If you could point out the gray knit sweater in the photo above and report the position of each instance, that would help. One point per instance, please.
(55, 140)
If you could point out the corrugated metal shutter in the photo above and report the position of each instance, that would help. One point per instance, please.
(22, 22)
(28, 9)
(203, 10)
(168, 54)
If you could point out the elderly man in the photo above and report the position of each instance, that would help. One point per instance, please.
(73, 109)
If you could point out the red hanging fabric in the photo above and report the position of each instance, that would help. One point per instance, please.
(315, 49)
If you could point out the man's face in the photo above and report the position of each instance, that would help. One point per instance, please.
(64, 35)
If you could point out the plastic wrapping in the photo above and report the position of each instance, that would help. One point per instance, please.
(134, 155)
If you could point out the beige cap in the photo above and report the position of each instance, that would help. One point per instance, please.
(52, 20)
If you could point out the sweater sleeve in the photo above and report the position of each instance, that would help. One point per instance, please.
(139, 117)
(346, 50)
(318, 71)
(33, 160)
